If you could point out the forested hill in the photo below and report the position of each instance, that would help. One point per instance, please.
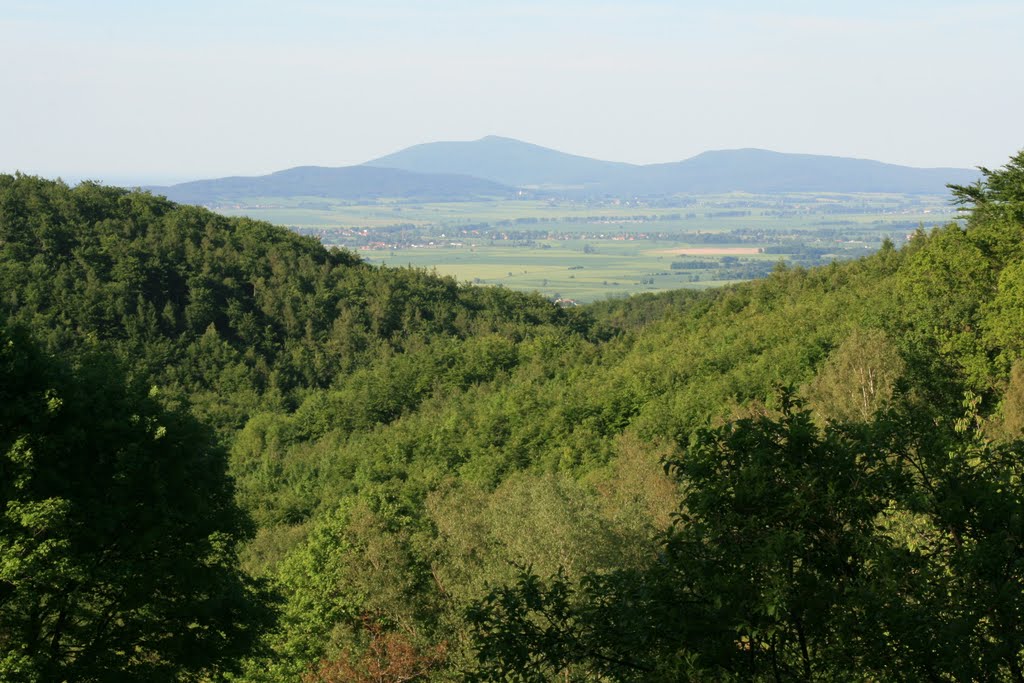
(817, 476)
(224, 312)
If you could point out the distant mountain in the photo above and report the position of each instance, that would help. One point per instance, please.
(495, 167)
(507, 161)
(348, 182)
(759, 170)
(521, 164)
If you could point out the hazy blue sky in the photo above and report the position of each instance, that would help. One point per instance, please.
(144, 91)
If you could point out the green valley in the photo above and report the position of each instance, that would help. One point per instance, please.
(230, 452)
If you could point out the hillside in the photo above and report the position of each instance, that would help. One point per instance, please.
(198, 302)
(815, 476)
(350, 183)
(521, 164)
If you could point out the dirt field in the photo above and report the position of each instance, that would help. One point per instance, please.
(710, 251)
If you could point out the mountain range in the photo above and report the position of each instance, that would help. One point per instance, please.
(499, 167)
(347, 182)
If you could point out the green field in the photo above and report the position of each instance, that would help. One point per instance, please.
(586, 251)
(558, 269)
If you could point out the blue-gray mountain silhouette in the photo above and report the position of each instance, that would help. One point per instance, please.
(346, 182)
(495, 167)
(521, 164)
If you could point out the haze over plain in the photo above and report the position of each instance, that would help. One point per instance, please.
(138, 93)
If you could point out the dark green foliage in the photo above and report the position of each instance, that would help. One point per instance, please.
(119, 531)
(772, 535)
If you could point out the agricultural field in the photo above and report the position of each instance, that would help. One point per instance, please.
(582, 251)
(578, 270)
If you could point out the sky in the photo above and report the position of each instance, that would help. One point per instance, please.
(146, 92)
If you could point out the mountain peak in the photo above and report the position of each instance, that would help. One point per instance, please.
(504, 160)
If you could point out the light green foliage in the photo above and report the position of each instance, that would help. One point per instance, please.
(636, 496)
(1012, 423)
(354, 569)
(1004, 315)
(857, 379)
(547, 522)
(940, 290)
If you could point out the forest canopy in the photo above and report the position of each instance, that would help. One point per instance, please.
(331, 471)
